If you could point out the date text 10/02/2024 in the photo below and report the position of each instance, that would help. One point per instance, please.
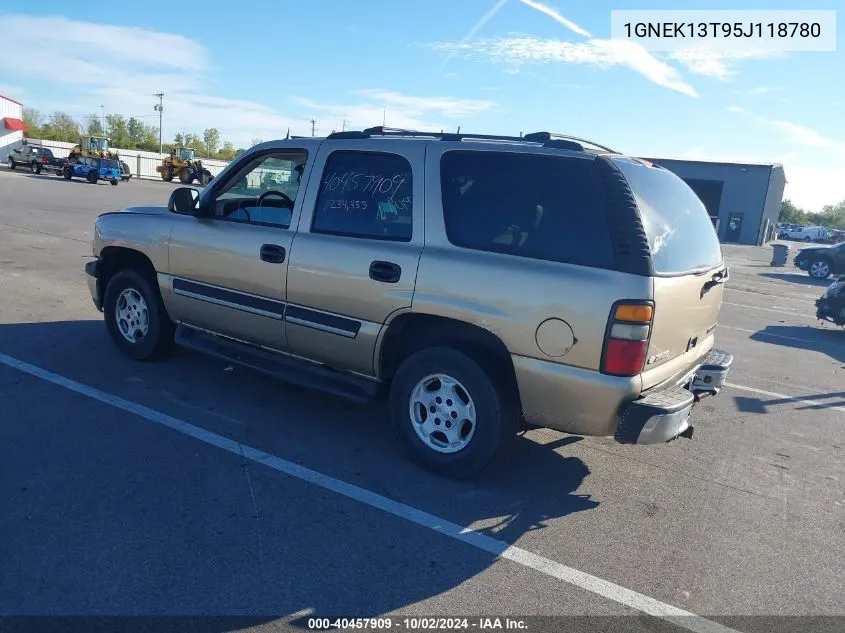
(410, 624)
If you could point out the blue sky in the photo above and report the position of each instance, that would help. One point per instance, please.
(256, 68)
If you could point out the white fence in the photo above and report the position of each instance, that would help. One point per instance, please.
(141, 164)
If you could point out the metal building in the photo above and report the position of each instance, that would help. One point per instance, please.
(743, 199)
(11, 124)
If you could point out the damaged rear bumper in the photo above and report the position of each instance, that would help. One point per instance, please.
(664, 415)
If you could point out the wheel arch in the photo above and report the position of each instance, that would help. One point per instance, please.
(113, 259)
(409, 332)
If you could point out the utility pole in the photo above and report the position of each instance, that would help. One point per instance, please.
(343, 127)
(159, 107)
(103, 108)
(313, 127)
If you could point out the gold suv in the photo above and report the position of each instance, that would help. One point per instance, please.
(491, 283)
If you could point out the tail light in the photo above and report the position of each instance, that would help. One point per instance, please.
(44, 160)
(627, 338)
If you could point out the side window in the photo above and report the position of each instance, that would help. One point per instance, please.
(367, 195)
(264, 190)
(527, 205)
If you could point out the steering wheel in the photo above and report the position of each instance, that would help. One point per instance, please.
(282, 195)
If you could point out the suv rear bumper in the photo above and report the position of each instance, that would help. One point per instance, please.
(663, 415)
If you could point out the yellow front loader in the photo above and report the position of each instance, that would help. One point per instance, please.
(181, 163)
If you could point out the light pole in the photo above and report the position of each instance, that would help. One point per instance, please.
(159, 107)
(103, 108)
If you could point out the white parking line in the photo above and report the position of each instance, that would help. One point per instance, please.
(787, 338)
(583, 580)
(781, 396)
(778, 310)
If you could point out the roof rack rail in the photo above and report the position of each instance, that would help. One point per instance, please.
(398, 132)
(548, 139)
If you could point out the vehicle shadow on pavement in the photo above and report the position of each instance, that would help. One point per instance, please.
(800, 278)
(827, 340)
(196, 523)
(54, 178)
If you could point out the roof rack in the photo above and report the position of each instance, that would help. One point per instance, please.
(546, 139)
(398, 132)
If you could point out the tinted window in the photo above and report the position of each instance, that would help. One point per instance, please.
(680, 232)
(529, 205)
(365, 194)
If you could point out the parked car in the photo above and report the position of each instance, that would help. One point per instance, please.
(93, 169)
(807, 234)
(34, 157)
(489, 283)
(820, 262)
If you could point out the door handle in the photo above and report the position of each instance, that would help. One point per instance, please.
(388, 272)
(272, 253)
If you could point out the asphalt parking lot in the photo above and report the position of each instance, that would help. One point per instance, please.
(191, 488)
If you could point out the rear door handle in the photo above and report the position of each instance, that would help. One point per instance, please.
(387, 272)
(272, 253)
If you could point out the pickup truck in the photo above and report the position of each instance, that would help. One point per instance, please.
(37, 158)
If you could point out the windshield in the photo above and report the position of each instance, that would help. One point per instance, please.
(679, 230)
(186, 154)
(98, 144)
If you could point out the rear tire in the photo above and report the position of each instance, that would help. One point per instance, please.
(67, 173)
(135, 316)
(114, 181)
(482, 421)
(11, 163)
(35, 167)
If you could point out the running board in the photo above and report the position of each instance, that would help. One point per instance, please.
(292, 370)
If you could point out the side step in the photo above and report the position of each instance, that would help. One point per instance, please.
(291, 370)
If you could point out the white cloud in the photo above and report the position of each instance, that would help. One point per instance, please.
(796, 133)
(716, 64)
(516, 50)
(11, 91)
(121, 67)
(399, 110)
(556, 16)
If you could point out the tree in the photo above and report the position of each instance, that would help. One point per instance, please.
(211, 139)
(227, 152)
(31, 120)
(95, 126)
(118, 131)
(149, 139)
(257, 141)
(178, 140)
(61, 127)
(194, 142)
(135, 130)
(790, 214)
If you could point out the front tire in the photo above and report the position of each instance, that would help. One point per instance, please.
(185, 176)
(135, 316)
(819, 269)
(92, 177)
(453, 417)
(67, 173)
(114, 181)
(11, 163)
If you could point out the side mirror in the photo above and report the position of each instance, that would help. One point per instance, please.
(184, 200)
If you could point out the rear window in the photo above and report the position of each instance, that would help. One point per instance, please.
(680, 232)
(41, 151)
(527, 205)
